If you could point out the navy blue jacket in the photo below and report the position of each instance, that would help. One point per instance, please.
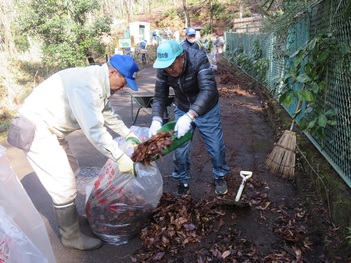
(194, 89)
(196, 45)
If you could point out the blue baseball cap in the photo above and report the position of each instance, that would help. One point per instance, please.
(127, 67)
(167, 52)
(190, 31)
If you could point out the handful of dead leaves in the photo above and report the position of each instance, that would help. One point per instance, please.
(153, 148)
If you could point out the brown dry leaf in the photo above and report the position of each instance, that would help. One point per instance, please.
(298, 255)
(159, 256)
(180, 221)
(189, 227)
(226, 254)
(216, 253)
(307, 244)
(334, 228)
(220, 224)
(265, 207)
(165, 240)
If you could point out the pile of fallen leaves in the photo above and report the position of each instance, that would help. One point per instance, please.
(182, 229)
(232, 78)
(231, 91)
(181, 224)
(227, 79)
(177, 222)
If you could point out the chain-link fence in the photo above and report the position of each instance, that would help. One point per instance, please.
(266, 58)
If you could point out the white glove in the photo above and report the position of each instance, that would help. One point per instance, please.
(155, 126)
(125, 164)
(183, 125)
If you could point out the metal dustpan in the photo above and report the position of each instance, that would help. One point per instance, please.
(169, 126)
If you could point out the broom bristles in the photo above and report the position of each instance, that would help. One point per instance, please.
(282, 158)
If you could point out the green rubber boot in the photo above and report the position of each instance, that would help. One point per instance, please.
(71, 237)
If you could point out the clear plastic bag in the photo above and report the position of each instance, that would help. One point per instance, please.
(17, 204)
(119, 204)
(15, 246)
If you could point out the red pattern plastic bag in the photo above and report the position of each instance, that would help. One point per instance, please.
(119, 204)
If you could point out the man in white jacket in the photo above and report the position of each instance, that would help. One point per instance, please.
(72, 99)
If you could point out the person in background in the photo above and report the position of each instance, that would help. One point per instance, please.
(168, 33)
(176, 35)
(155, 36)
(75, 99)
(143, 44)
(214, 50)
(220, 44)
(191, 41)
(189, 73)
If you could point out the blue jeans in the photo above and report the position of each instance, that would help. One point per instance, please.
(210, 128)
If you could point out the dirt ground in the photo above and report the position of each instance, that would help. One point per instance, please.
(277, 226)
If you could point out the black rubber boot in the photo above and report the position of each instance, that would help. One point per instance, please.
(71, 237)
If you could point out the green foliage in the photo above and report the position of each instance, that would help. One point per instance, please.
(281, 20)
(309, 72)
(64, 28)
(232, 55)
(348, 237)
(216, 8)
(269, 3)
(259, 68)
(5, 118)
(172, 13)
(256, 51)
(21, 42)
(243, 60)
(252, 63)
(347, 12)
(206, 30)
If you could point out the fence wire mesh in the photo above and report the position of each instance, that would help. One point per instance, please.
(244, 49)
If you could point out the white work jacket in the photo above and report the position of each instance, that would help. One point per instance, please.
(77, 98)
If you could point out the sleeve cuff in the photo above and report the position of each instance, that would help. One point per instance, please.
(193, 113)
(157, 118)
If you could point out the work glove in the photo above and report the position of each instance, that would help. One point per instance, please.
(183, 125)
(133, 138)
(125, 164)
(155, 126)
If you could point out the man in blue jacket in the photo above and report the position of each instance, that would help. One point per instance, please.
(189, 73)
(191, 41)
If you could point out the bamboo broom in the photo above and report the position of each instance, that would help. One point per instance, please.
(282, 158)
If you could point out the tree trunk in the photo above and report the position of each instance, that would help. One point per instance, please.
(150, 6)
(211, 16)
(7, 16)
(186, 14)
